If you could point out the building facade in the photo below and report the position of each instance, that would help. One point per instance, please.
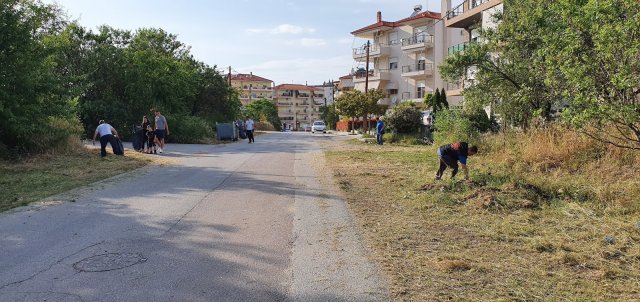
(403, 56)
(470, 17)
(298, 105)
(252, 87)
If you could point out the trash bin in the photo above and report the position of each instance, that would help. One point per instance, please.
(226, 131)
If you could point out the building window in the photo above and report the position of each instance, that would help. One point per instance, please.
(393, 91)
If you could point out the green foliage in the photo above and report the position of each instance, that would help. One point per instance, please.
(453, 126)
(436, 101)
(330, 116)
(264, 111)
(402, 139)
(55, 70)
(189, 129)
(35, 113)
(356, 104)
(578, 54)
(405, 118)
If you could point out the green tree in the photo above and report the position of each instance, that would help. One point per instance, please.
(264, 111)
(330, 116)
(405, 118)
(349, 103)
(35, 113)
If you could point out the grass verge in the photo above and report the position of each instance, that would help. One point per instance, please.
(41, 176)
(519, 232)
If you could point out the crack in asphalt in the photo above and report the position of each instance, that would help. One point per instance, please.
(51, 266)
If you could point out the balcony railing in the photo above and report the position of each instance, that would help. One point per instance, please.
(374, 75)
(417, 67)
(460, 47)
(464, 6)
(418, 39)
(456, 11)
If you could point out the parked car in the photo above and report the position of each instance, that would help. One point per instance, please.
(318, 126)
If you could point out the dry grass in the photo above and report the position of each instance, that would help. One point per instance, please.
(31, 179)
(531, 227)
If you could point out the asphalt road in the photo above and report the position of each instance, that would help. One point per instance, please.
(235, 222)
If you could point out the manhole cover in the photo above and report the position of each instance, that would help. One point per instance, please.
(108, 262)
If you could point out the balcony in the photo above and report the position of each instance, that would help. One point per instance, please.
(417, 43)
(375, 51)
(417, 70)
(459, 48)
(468, 13)
(374, 75)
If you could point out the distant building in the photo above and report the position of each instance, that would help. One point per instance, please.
(252, 87)
(298, 105)
(470, 17)
(403, 56)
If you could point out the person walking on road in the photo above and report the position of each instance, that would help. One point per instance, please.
(248, 125)
(107, 134)
(379, 131)
(449, 156)
(162, 130)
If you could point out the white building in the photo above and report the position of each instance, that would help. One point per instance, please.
(404, 56)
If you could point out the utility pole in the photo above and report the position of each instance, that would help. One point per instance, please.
(229, 75)
(366, 80)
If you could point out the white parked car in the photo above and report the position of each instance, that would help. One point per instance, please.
(318, 126)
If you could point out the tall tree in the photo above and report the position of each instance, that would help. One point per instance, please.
(34, 113)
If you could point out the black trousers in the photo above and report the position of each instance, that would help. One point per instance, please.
(447, 162)
(250, 136)
(103, 144)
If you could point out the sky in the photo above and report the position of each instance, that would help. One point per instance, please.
(286, 41)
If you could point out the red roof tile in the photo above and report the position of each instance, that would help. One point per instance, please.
(248, 77)
(296, 87)
(426, 14)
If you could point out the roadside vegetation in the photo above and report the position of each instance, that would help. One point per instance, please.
(60, 78)
(29, 179)
(550, 215)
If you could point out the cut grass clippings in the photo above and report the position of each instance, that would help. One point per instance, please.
(507, 236)
(41, 176)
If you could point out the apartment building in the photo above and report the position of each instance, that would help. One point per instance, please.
(404, 56)
(470, 17)
(298, 105)
(344, 84)
(252, 87)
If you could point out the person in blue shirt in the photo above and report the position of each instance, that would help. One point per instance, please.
(450, 155)
(379, 130)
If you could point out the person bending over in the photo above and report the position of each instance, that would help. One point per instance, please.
(450, 155)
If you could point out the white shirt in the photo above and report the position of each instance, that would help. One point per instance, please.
(104, 129)
(249, 124)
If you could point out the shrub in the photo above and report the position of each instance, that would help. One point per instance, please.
(453, 126)
(264, 126)
(405, 119)
(189, 129)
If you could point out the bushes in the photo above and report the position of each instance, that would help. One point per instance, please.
(452, 127)
(264, 126)
(189, 129)
(405, 118)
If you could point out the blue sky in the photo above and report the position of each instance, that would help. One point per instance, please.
(282, 40)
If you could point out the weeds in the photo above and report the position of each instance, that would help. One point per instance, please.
(532, 226)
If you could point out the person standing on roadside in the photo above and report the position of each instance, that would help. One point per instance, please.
(162, 130)
(248, 125)
(107, 135)
(379, 131)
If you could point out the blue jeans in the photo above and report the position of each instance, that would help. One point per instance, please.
(379, 138)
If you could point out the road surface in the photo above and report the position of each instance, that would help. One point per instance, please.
(235, 222)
